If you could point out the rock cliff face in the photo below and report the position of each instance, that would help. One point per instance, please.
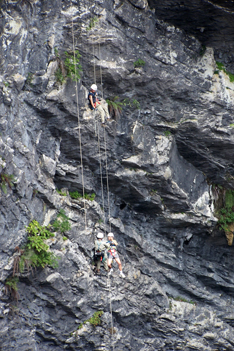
(153, 168)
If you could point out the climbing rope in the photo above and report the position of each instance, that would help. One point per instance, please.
(100, 167)
(101, 176)
(107, 181)
(112, 327)
(78, 119)
(105, 142)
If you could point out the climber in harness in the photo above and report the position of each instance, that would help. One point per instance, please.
(94, 103)
(112, 254)
(101, 246)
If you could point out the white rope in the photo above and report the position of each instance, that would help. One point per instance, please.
(100, 165)
(78, 119)
(107, 181)
(112, 328)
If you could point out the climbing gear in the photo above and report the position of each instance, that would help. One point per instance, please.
(93, 87)
(100, 236)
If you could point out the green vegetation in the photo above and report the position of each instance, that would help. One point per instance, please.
(231, 125)
(72, 65)
(61, 193)
(36, 252)
(56, 52)
(202, 50)
(6, 179)
(182, 299)
(94, 320)
(70, 68)
(59, 75)
(76, 195)
(226, 214)
(139, 63)
(11, 287)
(153, 192)
(92, 23)
(6, 84)
(115, 106)
(221, 67)
(167, 133)
(61, 224)
(64, 238)
(29, 78)
(131, 103)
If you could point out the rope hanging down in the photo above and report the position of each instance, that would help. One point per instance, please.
(100, 165)
(78, 119)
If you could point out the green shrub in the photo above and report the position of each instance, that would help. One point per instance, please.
(115, 106)
(94, 320)
(61, 193)
(11, 287)
(60, 78)
(167, 133)
(36, 252)
(139, 63)
(72, 65)
(225, 214)
(29, 78)
(92, 23)
(61, 224)
(76, 195)
(6, 179)
(131, 103)
(221, 67)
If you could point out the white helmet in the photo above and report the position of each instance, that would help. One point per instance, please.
(110, 234)
(99, 235)
(94, 87)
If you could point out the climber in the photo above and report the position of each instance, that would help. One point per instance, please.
(97, 104)
(112, 253)
(101, 246)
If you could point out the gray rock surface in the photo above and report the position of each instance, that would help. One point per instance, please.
(156, 164)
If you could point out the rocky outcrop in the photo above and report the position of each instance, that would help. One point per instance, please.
(151, 169)
(209, 21)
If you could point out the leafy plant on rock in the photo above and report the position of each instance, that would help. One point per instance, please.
(221, 67)
(226, 215)
(11, 287)
(92, 23)
(36, 252)
(6, 179)
(61, 224)
(115, 106)
(94, 320)
(76, 195)
(72, 65)
(139, 63)
(60, 192)
(167, 133)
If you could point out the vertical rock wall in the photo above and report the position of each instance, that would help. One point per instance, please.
(158, 158)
